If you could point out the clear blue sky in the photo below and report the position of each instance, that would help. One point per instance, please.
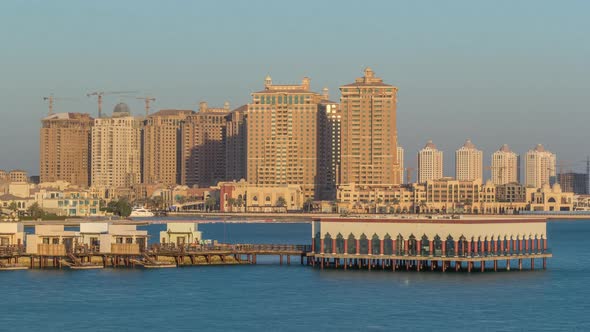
(513, 72)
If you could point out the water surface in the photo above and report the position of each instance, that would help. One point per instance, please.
(292, 298)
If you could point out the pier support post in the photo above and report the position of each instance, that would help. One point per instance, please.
(345, 263)
(469, 266)
(507, 265)
(495, 266)
(280, 259)
(520, 264)
(483, 266)
(532, 263)
(544, 263)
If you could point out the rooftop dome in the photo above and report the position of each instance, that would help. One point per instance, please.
(121, 109)
(505, 148)
(468, 144)
(429, 144)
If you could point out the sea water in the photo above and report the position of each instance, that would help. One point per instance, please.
(271, 297)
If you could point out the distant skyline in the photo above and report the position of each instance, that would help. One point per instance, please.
(497, 72)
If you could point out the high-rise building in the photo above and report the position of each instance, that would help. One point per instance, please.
(369, 133)
(468, 162)
(235, 144)
(282, 131)
(539, 167)
(400, 161)
(329, 125)
(116, 149)
(203, 146)
(430, 163)
(574, 182)
(505, 166)
(162, 146)
(65, 148)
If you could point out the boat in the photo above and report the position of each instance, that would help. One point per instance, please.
(141, 212)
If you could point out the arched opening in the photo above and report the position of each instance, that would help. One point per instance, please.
(424, 246)
(438, 245)
(376, 245)
(551, 200)
(399, 245)
(412, 246)
(317, 242)
(387, 245)
(339, 244)
(328, 243)
(364, 245)
(462, 246)
(351, 247)
(450, 246)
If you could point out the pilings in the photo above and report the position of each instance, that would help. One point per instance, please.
(421, 263)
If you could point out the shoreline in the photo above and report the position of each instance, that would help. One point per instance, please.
(277, 218)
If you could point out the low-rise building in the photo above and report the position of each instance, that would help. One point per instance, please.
(549, 198)
(12, 233)
(181, 233)
(241, 196)
(51, 240)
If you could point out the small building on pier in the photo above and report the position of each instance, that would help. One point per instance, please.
(181, 233)
(11, 234)
(51, 240)
(123, 240)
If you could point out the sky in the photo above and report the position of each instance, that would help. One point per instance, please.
(504, 71)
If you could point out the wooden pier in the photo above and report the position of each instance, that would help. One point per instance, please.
(157, 256)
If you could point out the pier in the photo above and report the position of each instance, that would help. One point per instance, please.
(157, 256)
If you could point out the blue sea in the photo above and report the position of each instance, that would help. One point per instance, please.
(271, 297)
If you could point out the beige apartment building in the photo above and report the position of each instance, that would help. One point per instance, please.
(505, 166)
(235, 144)
(65, 148)
(282, 137)
(468, 162)
(116, 150)
(539, 167)
(430, 163)
(203, 147)
(18, 176)
(162, 146)
(369, 132)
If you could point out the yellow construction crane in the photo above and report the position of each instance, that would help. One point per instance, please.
(147, 101)
(499, 168)
(99, 95)
(409, 171)
(51, 99)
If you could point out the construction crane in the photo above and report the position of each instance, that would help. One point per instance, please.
(409, 171)
(99, 95)
(500, 173)
(147, 101)
(51, 99)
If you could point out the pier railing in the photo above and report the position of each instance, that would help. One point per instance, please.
(231, 248)
(12, 250)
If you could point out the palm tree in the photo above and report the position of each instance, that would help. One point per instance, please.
(231, 202)
(307, 205)
(281, 201)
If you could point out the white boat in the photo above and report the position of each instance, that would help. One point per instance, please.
(141, 212)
